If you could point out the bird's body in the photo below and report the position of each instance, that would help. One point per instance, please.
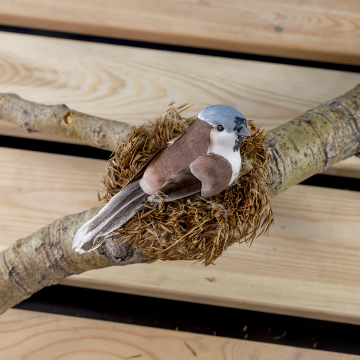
(205, 159)
(176, 157)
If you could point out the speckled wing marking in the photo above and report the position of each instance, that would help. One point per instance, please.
(176, 157)
(214, 172)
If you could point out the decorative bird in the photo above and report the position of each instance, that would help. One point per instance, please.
(205, 159)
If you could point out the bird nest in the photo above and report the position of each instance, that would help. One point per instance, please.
(193, 228)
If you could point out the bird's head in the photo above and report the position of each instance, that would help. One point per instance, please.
(227, 123)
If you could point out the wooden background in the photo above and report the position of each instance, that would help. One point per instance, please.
(317, 30)
(308, 265)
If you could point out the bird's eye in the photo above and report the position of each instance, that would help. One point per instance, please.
(220, 128)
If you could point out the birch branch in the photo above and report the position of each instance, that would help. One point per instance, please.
(45, 257)
(300, 148)
(315, 140)
(60, 120)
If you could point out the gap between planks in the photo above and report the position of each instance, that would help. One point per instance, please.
(346, 168)
(32, 335)
(310, 30)
(307, 266)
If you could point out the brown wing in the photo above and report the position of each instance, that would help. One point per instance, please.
(177, 157)
(214, 172)
(209, 174)
(139, 174)
(180, 186)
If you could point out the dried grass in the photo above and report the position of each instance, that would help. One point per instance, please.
(193, 228)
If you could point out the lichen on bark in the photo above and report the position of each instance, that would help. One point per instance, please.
(315, 140)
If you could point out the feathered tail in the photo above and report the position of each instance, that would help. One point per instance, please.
(122, 207)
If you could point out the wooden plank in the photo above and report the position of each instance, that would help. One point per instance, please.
(307, 266)
(38, 188)
(349, 167)
(135, 85)
(32, 335)
(316, 30)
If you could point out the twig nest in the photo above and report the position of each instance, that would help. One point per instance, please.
(192, 228)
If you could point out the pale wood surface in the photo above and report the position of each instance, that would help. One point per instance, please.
(29, 335)
(327, 31)
(349, 167)
(307, 266)
(135, 85)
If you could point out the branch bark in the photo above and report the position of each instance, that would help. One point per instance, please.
(317, 139)
(45, 257)
(300, 148)
(60, 120)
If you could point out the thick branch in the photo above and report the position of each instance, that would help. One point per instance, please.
(45, 257)
(315, 140)
(299, 149)
(60, 120)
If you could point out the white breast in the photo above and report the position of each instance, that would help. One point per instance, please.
(222, 143)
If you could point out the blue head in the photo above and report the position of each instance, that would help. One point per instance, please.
(229, 123)
(225, 118)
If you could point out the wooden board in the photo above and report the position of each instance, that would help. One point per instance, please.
(30, 335)
(349, 167)
(307, 266)
(135, 85)
(38, 188)
(316, 30)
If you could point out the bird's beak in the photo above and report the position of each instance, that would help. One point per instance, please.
(244, 132)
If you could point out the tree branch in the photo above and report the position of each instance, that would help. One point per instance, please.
(60, 120)
(317, 139)
(46, 256)
(302, 147)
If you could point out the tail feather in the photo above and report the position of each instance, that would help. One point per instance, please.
(122, 206)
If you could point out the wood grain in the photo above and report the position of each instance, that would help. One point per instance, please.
(29, 335)
(316, 30)
(349, 167)
(307, 266)
(134, 85)
(38, 188)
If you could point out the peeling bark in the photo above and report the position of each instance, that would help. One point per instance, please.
(302, 147)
